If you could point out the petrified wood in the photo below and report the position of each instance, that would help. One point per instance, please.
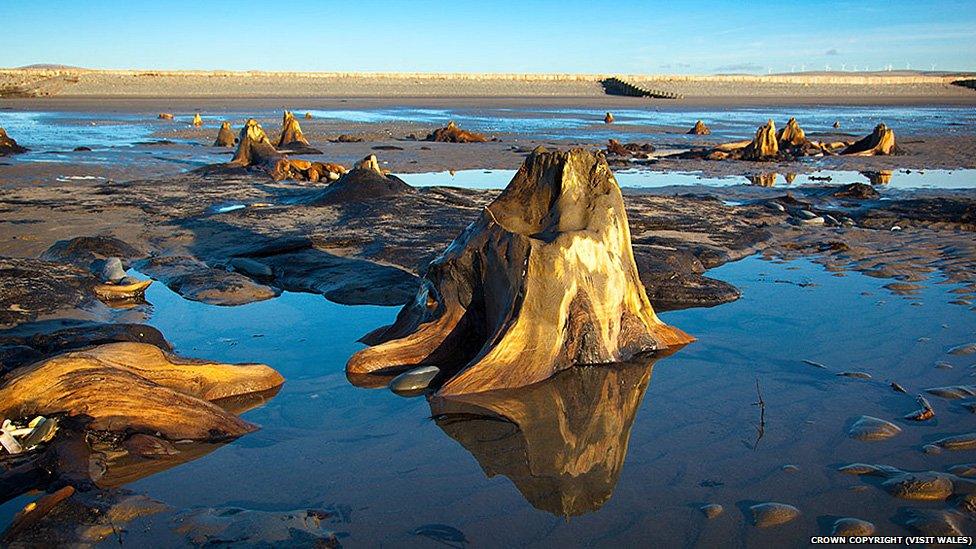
(879, 142)
(543, 280)
(225, 137)
(136, 387)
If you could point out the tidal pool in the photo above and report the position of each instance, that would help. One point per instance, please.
(604, 456)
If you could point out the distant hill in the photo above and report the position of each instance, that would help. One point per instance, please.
(51, 66)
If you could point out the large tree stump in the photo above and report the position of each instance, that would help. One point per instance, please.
(225, 137)
(544, 279)
(791, 135)
(764, 146)
(291, 131)
(879, 142)
(699, 129)
(8, 145)
(136, 387)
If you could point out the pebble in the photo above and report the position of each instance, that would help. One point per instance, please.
(712, 510)
(812, 363)
(769, 514)
(112, 270)
(413, 381)
(872, 428)
(806, 214)
(967, 349)
(813, 221)
(789, 468)
(943, 365)
(777, 206)
(898, 387)
(852, 527)
(932, 522)
(858, 375)
(919, 486)
(964, 470)
(953, 391)
(932, 449)
(958, 442)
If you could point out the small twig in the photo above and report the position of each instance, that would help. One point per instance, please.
(761, 428)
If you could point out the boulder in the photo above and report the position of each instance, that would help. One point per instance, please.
(543, 280)
(453, 134)
(136, 388)
(8, 145)
(699, 129)
(879, 142)
(225, 137)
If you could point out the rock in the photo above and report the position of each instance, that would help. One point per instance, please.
(127, 289)
(251, 267)
(712, 510)
(806, 214)
(112, 270)
(953, 391)
(165, 116)
(629, 150)
(197, 281)
(967, 349)
(919, 486)
(856, 375)
(931, 449)
(880, 142)
(549, 268)
(932, 522)
(346, 138)
(699, 129)
(414, 381)
(924, 413)
(859, 191)
(30, 288)
(86, 251)
(364, 183)
(898, 388)
(870, 470)
(82, 149)
(140, 389)
(817, 220)
(197, 121)
(453, 134)
(608, 119)
(231, 526)
(225, 137)
(790, 468)
(964, 470)
(765, 515)
(958, 442)
(871, 428)
(8, 145)
(850, 527)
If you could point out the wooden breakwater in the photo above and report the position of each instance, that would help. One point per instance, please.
(616, 86)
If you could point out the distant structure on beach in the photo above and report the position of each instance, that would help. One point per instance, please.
(616, 86)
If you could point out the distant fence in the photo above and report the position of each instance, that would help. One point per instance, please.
(616, 86)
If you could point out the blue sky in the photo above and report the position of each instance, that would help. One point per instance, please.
(615, 36)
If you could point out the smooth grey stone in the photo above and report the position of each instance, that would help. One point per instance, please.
(806, 214)
(769, 514)
(111, 270)
(849, 526)
(415, 380)
(872, 428)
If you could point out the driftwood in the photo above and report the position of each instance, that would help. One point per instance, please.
(879, 142)
(453, 134)
(543, 280)
(699, 129)
(8, 145)
(225, 137)
(136, 387)
(562, 442)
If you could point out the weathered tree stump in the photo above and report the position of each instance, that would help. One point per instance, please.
(225, 137)
(879, 142)
(453, 134)
(543, 280)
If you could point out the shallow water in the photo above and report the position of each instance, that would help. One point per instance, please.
(386, 468)
(647, 179)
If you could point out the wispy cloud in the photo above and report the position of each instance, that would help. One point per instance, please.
(832, 51)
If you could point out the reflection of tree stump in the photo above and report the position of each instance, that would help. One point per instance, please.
(136, 387)
(879, 142)
(225, 137)
(562, 442)
(543, 280)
